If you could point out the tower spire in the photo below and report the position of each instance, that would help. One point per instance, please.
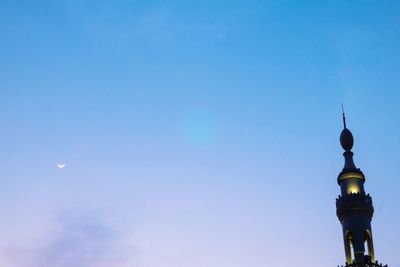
(344, 118)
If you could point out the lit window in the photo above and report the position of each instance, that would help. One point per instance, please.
(353, 189)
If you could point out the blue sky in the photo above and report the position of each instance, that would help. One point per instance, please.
(194, 133)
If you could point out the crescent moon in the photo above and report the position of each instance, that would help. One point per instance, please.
(61, 165)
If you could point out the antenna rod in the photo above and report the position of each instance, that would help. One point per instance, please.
(344, 117)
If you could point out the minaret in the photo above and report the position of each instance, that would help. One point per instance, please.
(354, 208)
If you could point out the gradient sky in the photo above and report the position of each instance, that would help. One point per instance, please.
(195, 133)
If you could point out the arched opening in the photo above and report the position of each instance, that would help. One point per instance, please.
(348, 247)
(369, 246)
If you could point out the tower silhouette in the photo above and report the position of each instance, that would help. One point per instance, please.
(354, 209)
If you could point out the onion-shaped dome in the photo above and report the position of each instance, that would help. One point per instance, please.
(346, 139)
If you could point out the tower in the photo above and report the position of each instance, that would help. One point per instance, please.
(354, 208)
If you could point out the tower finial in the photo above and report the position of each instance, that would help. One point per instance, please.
(344, 117)
(346, 138)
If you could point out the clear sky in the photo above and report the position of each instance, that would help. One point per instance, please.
(194, 133)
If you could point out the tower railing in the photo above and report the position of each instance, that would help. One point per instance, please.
(371, 264)
(368, 263)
